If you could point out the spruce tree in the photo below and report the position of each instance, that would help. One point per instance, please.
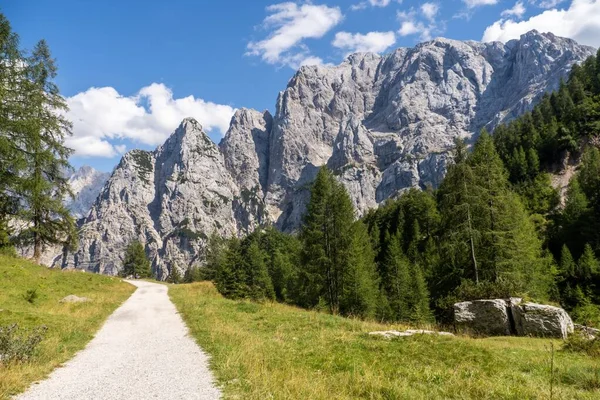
(359, 295)
(396, 279)
(259, 282)
(458, 202)
(326, 237)
(136, 263)
(587, 266)
(419, 302)
(174, 275)
(230, 275)
(567, 264)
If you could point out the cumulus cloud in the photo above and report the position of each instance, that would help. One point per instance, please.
(420, 23)
(290, 24)
(517, 11)
(100, 115)
(477, 3)
(581, 21)
(374, 42)
(430, 10)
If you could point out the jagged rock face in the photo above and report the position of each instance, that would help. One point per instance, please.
(383, 124)
(86, 183)
(245, 149)
(387, 123)
(170, 200)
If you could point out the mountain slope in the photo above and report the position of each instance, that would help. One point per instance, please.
(382, 123)
(86, 183)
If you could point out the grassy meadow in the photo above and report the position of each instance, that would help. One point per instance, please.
(273, 351)
(69, 326)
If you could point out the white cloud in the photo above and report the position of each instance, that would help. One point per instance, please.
(547, 3)
(517, 11)
(477, 3)
(581, 21)
(291, 24)
(430, 10)
(411, 22)
(102, 114)
(380, 3)
(374, 42)
(372, 3)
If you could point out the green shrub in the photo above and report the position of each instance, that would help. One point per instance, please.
(30, 295)
(581, 343)
(18, 345)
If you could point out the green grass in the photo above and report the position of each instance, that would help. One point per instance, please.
(70, 326)
(273, 351)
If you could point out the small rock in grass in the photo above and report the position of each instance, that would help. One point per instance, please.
(408, 332)
(74, 299)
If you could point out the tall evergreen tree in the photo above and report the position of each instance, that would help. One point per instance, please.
(457, 202)
(396, 279)
(359, 295)
(136, 263)
(43, 185)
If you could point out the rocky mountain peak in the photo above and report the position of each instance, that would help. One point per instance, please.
(382, 123)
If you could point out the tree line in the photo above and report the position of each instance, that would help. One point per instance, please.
(495, 227)
(33, 157)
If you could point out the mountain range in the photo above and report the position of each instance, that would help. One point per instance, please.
(383, 124)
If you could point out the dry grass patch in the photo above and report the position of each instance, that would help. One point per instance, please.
(69, 326)
(273, 351)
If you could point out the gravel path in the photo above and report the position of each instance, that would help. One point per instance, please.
(143, 351)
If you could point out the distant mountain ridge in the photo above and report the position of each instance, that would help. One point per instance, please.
(86, 183)
(382, 123)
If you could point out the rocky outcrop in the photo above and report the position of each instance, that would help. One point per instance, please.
(542, 320)
(499, 317)
(86, 184)
(170, 200)
(382, 123)
(485, 317)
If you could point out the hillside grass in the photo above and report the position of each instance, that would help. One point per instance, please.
(273, 351)
(69, 326)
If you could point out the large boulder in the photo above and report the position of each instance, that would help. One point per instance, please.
(485, 317)
(541, 320)
(511, 317)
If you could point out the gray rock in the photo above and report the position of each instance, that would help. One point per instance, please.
(542, 321)
(485, 317)
(86, 184)
(74, 299)
(408, 332)
(590, 333)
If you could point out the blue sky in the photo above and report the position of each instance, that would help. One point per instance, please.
(131, 70)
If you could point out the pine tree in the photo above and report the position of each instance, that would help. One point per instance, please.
(567, 264)
(420, 311)
(360, 290)
(174, 275)
(43, 185)
(136, 263)
(12, 162)
(230, 274)
(587, 266)
(457, 202)
(326, 237)
(258, 279)
(397, 280)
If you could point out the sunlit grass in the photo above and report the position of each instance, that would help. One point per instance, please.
(70, 326)
(273, 351)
